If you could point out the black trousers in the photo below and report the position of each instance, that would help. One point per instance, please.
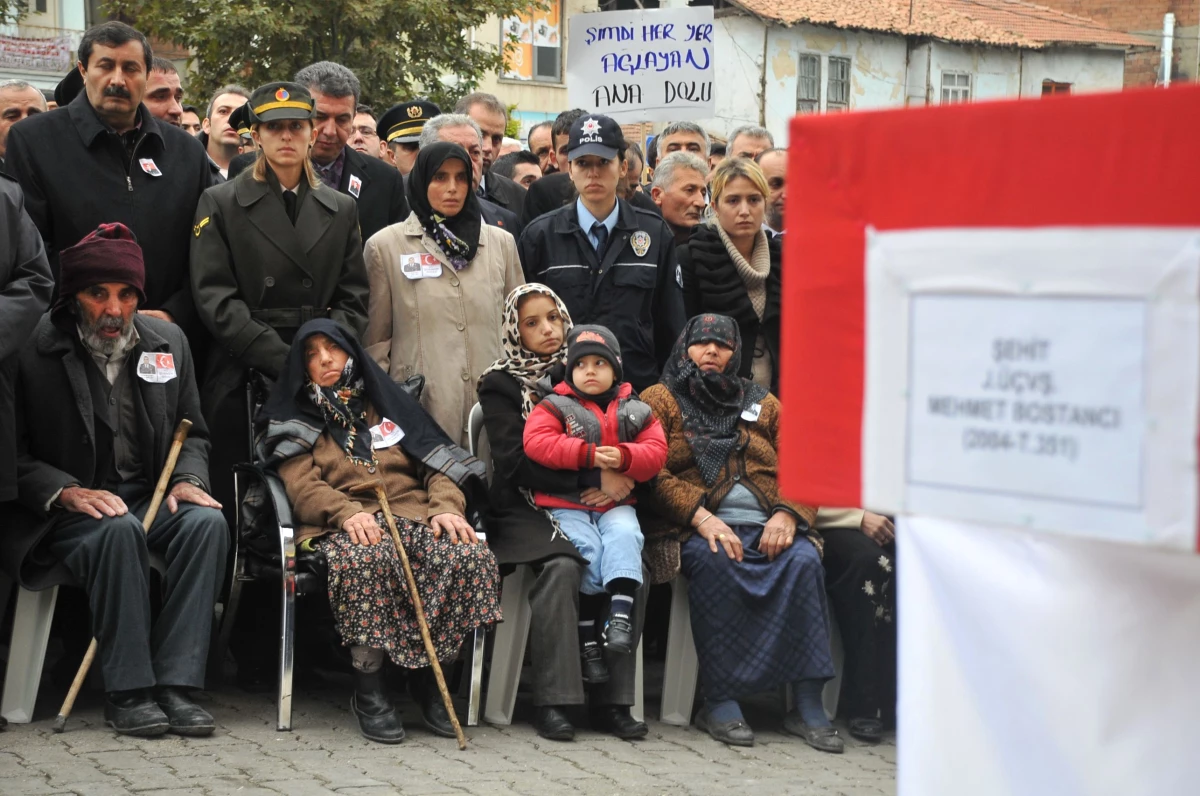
(554, 638)
(110, 559)
(860, 579)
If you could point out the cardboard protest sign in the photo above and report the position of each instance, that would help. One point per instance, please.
(643, 66)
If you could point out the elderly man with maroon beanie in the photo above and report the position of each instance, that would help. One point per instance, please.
(100, 390)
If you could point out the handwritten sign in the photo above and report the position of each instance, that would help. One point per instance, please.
(643, 66)
(1035, 398)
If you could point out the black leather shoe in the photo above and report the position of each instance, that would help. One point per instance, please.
(552, 723)
(592, 660)
(868, 730)
(733, 733)
(184, 716)
(424, 690)
(824, 738)
(134, 713)
(618, 634)
(617, 720)
(377, 716)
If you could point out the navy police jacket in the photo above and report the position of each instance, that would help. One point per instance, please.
(634, 289)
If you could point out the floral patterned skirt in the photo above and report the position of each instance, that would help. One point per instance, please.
(459, 586)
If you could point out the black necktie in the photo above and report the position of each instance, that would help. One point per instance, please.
(601, 234)
(289, 201)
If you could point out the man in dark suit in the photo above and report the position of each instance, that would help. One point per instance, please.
(375, 185)
(458, 128)
(105, 158)
(492, 117)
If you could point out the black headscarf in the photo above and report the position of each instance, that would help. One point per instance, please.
(297, 413)
(710, 403)
(457, 236)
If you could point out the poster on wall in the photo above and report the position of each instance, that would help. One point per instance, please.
(533, 41)
(643, 66)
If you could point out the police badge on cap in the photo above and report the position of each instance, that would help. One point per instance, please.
(595, 135)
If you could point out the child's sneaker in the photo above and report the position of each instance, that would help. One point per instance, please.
(594, 670)
(618, 634)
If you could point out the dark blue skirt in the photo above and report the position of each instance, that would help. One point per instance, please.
(758, 624)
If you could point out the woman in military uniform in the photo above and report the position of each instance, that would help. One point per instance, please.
(272, 249)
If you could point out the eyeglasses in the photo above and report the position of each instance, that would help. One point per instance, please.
(366, 132)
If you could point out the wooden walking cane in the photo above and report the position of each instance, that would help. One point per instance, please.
(377, 485)
(181, 433)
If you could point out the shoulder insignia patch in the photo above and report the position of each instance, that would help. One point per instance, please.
(203, 223)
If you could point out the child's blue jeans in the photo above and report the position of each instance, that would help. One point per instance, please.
(611, 541)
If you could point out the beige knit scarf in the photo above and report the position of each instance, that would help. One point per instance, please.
(753, 273)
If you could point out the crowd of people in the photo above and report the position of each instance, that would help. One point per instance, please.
(372, 277)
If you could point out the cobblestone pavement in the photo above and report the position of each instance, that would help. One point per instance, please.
(325, 754)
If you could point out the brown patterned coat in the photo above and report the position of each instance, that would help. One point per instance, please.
(671, 502)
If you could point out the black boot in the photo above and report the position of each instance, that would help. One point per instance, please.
(377, 716)
(134, 713)
(551, 722)
(423, 686)
(591, 660)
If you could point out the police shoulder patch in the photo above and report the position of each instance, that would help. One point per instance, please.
(203, 223)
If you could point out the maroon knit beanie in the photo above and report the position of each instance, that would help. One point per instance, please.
(110, 254)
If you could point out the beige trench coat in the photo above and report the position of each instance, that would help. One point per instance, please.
(447, 327)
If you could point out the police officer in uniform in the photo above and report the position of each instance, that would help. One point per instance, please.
(400, 129)
(613, 264)
(271, 249)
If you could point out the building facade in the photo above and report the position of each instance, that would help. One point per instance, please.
(40, 48)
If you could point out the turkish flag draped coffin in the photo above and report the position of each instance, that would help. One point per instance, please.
(1046, 252)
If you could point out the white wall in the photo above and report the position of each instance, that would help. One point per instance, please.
(876, 78)
(737, 72)
(999, 73)
(995, 72)
(1085, 70)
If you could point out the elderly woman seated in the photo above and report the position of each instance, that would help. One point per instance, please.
(755, 585)
(334, 423)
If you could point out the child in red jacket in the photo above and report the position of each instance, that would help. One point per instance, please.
(591, 423)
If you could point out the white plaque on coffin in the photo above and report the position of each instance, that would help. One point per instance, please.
(1040, 378)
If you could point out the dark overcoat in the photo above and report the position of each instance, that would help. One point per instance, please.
(256, 278)
(380, 189)
(25, 288)
(517, 532)
(73, 172)
(56, 442)
(505, 192)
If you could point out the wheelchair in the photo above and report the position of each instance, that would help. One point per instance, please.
(265, 551)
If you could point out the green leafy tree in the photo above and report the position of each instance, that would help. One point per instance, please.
(398, 48)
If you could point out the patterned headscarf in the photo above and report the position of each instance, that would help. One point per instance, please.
(457, 236)
(711, 403)
(518, 361)
(345, 414)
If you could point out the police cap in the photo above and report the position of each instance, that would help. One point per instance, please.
(239, 119)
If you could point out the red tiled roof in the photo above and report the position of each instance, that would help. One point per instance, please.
(1001, 22)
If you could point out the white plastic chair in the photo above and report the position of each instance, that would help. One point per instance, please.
(27, 653)
(27, 648)
(682, 667)
(508, 652)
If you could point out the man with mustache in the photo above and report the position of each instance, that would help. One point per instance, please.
(106, 158)
(679, 190)
(100, 391)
